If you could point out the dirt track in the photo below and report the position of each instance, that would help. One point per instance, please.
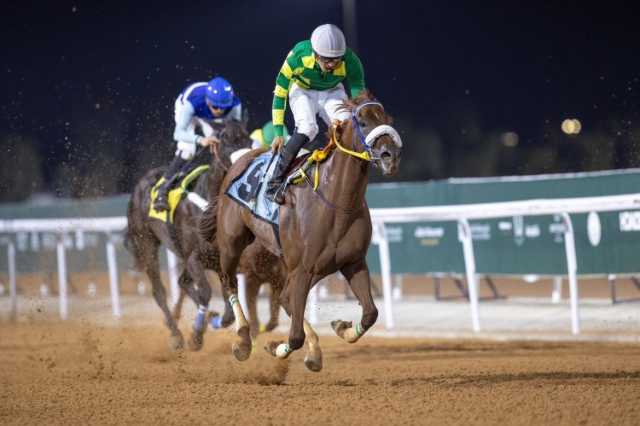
(76, 373)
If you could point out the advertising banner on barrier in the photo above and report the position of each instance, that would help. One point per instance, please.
(605, 242)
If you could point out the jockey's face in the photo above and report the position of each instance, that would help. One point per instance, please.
(328, 64)
(217, 112)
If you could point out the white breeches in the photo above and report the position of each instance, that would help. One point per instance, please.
(305, 104)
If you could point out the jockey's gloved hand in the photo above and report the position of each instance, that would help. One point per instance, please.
(208, 140)
(277, 143)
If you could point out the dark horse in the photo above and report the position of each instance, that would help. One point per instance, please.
(321, 231)
(145, 234)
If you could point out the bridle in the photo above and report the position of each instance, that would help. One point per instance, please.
(367, 141)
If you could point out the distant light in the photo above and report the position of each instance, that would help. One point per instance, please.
(571, 126)
(510, 139)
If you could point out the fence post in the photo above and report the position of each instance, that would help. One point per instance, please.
(312, 305)
(62, 278)
(556, 294)
(385, 270)
(572, 271)
(113, 276)
(13, 290)
(464, 233)
(242, 292)
(172, 266)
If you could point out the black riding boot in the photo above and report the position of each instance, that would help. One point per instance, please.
(287, 155)
(162, 201)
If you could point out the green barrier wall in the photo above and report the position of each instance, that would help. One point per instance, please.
(511, 245)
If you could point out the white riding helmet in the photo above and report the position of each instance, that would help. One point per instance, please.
(327, 40)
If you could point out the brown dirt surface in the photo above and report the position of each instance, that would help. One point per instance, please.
(79, 373)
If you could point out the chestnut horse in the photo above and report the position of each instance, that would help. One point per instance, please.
(145, 234)
(321, 231)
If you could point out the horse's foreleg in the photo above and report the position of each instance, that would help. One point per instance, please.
(160, 295)
(313, 359)
(360, 282)
(177, 308)
(294, 301)
(200, 292)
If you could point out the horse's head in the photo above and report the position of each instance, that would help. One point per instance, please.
(233, 136)
(370, 131)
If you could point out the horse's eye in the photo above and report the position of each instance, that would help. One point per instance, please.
(362, 123)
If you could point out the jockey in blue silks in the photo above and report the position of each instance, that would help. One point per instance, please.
(201, 106)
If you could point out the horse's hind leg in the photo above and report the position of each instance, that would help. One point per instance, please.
(253, 286)
(360, 282)
(152, 269)
(274, 305)
(236, 238)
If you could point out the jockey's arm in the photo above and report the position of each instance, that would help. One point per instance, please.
(183, 132)
(355, 73)
(280, 93)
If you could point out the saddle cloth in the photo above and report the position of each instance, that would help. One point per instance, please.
(249, 187)
(175, 195)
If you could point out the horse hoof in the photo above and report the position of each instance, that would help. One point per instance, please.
(196, 341)
(271, 347)
(340, 326)
(313, 364)
(215, 320)
(176, 343)
(241, 351)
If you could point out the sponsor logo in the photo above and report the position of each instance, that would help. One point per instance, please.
(629, 221)
(394, 233)
(532, 231)
(505, 226)
(428, 232)
(480, 231)
(594, 228)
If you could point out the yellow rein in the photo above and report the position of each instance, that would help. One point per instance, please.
(318, 156)
(361, 155)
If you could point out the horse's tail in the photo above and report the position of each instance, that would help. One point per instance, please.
(207, 227)
(131, 240)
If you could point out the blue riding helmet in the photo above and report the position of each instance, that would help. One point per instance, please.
(220, 93)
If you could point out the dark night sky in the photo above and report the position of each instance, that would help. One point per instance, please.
(67, 64)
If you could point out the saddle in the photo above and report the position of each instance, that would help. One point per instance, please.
(249, 187)
(175, 195)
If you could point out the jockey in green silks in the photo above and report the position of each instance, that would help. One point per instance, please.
(312, 78)
(262, 137)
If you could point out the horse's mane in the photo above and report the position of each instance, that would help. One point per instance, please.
(233, 136)
(207, 227)
(234, 131)
(351, 104)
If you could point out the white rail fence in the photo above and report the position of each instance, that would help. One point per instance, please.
(462, 214)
